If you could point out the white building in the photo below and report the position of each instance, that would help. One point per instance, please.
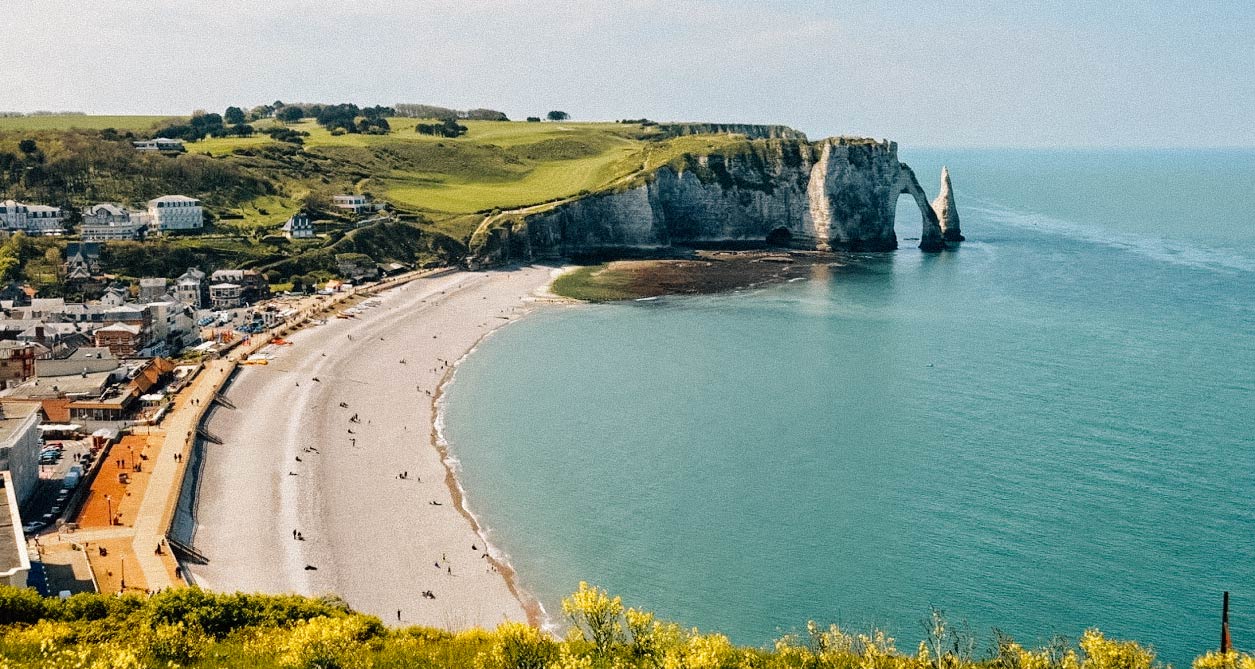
(109, 222)
(354, 203)
(174, 324)
(190, 288)
(33, 219)
(226, 295)
(176, 212)
(19, 445)
(158, 144)
(298, 227)
(15, 563)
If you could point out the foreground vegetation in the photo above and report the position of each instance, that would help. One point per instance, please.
(192, 628)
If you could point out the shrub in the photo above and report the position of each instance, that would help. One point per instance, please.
(518, 646)
(596, 616)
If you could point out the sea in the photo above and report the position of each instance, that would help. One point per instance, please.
(1048, 429)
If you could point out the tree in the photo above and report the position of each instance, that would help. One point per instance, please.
(289, 114)
(486, 115)
(27, 146)
(233, 115)
(533, 119)
(557, 116)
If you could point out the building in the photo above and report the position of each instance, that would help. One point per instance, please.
(82, 260)
(33, 219)
(17, 361)
(15, 562)
(354, 203)
(191, 288)
(19, 445)
(115, 296)
(118, 402)
(226, 295)
(298, 227)
(158, 144)
(122, 339)
(253, 284)
(110, 222)
(175, 212)
(174, 324)
(153, 289)
(81, 362)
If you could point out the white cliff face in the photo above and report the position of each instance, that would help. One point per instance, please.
(947, 213)
(838, 194)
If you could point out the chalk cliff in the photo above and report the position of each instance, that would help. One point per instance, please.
(947, 213)
(835, 194)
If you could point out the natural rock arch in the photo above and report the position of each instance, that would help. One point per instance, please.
(930, 237)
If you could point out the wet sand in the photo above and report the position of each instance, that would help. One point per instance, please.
(293, 459)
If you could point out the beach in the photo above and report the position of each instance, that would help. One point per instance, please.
(328, 480)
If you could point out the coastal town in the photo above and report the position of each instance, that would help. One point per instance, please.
(101, 397)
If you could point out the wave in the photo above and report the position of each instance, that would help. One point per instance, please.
(1167, 250)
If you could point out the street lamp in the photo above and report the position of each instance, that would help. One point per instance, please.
(123, 559)
(109, 507)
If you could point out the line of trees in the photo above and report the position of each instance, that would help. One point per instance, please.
(447, 128)
(408, 110)
(207, 124)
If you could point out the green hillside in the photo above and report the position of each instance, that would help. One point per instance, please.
(441, 188)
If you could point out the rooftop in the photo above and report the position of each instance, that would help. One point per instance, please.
(13, 555)
(74, 384)
(173, 198)
(12, 415)
(120, 327)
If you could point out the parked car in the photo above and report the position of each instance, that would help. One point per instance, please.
(34, 526)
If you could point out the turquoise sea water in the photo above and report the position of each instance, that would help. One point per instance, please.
(1049, 429)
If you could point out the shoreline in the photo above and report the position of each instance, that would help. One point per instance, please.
(369, 532)
(537, 616)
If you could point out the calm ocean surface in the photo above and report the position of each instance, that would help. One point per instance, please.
(1050, 429)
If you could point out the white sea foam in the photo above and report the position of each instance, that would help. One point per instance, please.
(1162, 249)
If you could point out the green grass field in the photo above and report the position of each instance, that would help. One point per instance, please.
(496, 165)
(70, 121)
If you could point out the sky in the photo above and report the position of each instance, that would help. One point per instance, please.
(1116, 73)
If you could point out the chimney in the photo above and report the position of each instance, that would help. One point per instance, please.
(39, 334)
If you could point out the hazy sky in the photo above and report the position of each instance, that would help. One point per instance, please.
(1072, 73)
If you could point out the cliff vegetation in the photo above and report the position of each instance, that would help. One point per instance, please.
(196, 629)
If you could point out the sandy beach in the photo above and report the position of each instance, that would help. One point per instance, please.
(333, 440)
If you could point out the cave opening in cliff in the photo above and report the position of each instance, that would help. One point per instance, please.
(779, 237)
